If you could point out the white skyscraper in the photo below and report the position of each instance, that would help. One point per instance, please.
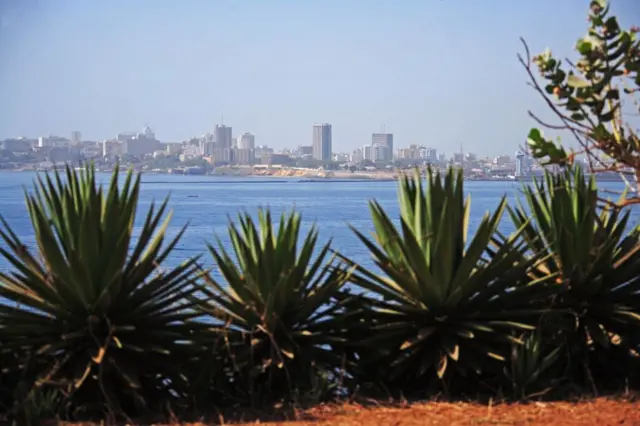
(384, 139)
(246, 141)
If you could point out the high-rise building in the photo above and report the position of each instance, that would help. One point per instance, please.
(207, 148)
(206, 144)
(246, 141)
(222, 155)
(384, 139)
(243, 156)
(223, 136)
(356, 156)
(76, 137)
(376, 153)
(322, 142)
(519, 165)
(428, 154)
(367, 153)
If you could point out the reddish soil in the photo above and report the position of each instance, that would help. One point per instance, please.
(600, 412)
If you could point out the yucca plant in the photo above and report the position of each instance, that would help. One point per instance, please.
(442, 301)
(596, 260)
(274, 304)
(89, 310)
(530, 366)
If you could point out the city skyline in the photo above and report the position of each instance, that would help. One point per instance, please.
(231, 138)
(247, 140)
(224, 149)
(220, 149)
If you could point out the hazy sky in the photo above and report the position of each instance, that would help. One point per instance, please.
(435, 72)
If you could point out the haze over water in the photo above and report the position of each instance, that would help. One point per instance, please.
(205, 203)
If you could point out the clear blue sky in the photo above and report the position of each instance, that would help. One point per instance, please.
(435, 72)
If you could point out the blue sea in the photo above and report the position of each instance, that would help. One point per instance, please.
(206, 203)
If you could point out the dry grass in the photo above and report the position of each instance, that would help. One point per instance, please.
(599, 411)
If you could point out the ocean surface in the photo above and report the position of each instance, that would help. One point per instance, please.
(206, 203)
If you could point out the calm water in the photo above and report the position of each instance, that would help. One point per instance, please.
(332, 205)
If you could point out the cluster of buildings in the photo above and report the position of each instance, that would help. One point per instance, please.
(59, 150)
(222, 148)
(47, 148)
(219, 148)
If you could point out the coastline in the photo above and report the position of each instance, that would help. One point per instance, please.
(284, 175)
(299, 175)
(306, 176)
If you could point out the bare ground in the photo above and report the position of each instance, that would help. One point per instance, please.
(598, 411)
(594, 412)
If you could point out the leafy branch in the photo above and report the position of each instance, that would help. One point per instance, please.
(589, 99)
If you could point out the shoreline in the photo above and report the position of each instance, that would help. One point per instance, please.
(307, 176)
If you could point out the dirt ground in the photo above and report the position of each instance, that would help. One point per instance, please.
(601, 412)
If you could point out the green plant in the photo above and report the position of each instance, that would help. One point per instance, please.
(442, 299)
(592, 97)
(274, 307)
(529, 363)
(595, 258)
(92, 312)
(40, 405)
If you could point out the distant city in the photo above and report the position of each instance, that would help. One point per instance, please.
(222, 153)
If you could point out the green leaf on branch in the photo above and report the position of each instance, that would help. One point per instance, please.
(558, 77)
(613, 94)
(608, 116)
(596, 20)
(572, 104)
(612, 25)
(584, 46)
(535, 136)
(542, 147)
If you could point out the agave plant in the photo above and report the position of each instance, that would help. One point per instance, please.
(592, 253)
(530, 363)
(274, 304)
(89, 309)
(441, 300)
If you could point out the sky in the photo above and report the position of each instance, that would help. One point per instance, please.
(443, 73)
